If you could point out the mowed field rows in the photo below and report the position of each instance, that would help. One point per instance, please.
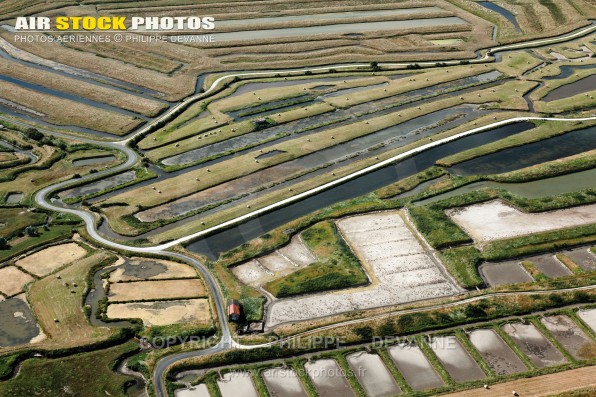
(152, 72)
(158, 292)
(296, 139)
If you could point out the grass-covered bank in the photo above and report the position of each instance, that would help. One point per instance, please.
(83, 374)
(336, 268)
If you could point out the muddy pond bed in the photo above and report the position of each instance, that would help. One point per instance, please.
(500, 273)
(496, 352)
(583, 257)
(14, 198)
(588, 317)
(534, 345)
(569, 335)
(18, 325)
(93, 160)
(195, 391)
(328, 379)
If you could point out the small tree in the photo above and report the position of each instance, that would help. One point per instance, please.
(374, 65)
(33, 133)
(3, 243)
(31, 231)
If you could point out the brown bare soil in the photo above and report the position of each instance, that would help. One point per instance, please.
(12, 280)
(546, 385)
(164, 313)
(156, 290)
(47, 260)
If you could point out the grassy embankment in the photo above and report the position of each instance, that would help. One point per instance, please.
(81, 88)
(84, 374)
(172, 188)
(543, 130)
(58, 307)
(61, 111)
(336, 268)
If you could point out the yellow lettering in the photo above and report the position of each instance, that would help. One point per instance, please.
(89, 23)
(118, 23)
(62, 23)
(103, 23)
(76, 22)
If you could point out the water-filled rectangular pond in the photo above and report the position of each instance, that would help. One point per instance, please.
(500, 273)
(569, 335)
(339, 28)
(93, 160)
(496, 352)
(14, 197)
(234, 384)
(327, 16)
(577, 87)
(18, 325)
(282, 382)
(98, 186)
(534, 345)
(456, 360)
(511, 159)
(589, 317)
(415, 367)
(535, 189)
(328, 378)
(549, 265)
(373, 375)
(583, 257)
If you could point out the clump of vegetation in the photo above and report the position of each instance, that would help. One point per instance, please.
(336, 268)
(88, 374)
(252, 307)
(462, 263)
(436, 226)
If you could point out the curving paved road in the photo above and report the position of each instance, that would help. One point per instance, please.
(226, 341)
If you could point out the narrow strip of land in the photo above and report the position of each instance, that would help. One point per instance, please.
(545, 385)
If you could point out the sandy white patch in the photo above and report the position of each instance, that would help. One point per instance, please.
(273, 266)
(495, 220)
